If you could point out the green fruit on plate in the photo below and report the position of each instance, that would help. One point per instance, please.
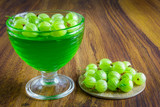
(89, 82)
(101, 86)
(113, 84)
(100, 75)
(126, 85)
(139, 78)
(119, 67)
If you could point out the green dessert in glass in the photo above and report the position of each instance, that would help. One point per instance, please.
(46, 41)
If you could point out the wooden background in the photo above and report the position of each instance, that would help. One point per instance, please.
(115, 29)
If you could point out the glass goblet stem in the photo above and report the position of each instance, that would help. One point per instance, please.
(49, 78)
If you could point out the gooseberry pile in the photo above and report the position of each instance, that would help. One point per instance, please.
(112, 76)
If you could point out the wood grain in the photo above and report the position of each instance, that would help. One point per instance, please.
(115, 29)
(110, 94)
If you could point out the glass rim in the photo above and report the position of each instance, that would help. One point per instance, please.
(21, 30)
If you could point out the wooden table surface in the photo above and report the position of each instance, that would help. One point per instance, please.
(115, 29)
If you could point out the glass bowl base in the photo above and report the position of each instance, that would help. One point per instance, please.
(62, 87)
